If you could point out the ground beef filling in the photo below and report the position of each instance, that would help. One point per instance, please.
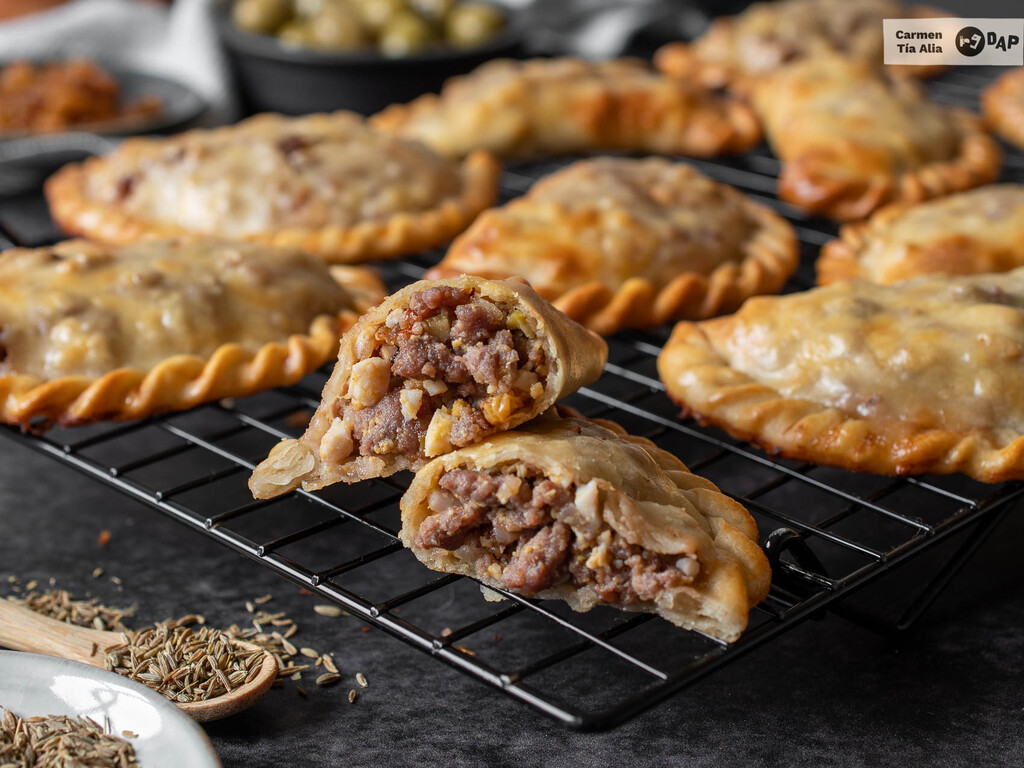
(444, 373)
(509, 527)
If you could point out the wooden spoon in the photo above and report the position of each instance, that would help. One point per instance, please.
(24, 630)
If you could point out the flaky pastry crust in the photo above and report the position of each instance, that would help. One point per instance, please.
(767, 36)
(1002, 103)
(618, 243)
(270, 191)
(36, 400)
(650, 498)
(574, 357)
(972, 232)
(913, 378)
(850, 141)
(544, 107)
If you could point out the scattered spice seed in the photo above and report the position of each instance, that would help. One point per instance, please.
(496, 639)
(464, 650)
(329, 663)
(352, 696)
(361, 679)
(301, 691)
(328, 679)
(250, 607)
(309, 653)
(446, 632)
(328, 610)
(97, 572)
(366, 629)
(61, 741)
(104, 538)
(32, 585)
(263, 600)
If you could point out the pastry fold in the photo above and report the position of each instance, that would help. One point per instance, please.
(918, 377)
(851, 141)
(545, 107)
(978, 231)
(436, 366)
(629, 243)
(577, 510)
(1002, 103)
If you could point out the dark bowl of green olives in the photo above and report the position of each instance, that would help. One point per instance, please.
(302, 56)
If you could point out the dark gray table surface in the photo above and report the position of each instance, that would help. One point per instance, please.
(948, 693)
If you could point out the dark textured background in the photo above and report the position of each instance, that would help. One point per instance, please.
(949, 693)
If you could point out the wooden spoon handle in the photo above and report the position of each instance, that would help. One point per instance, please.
(24, 630)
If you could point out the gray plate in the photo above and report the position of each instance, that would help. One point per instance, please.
(43, 685)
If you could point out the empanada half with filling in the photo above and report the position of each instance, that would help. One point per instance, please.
(917, 377)
(620, 243)
(577, 510)
(437, 366)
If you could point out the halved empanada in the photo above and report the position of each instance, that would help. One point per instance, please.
(95, 332)
(618, 243)
(545, 107)
(917, 377)
(977, 231)
(578, 510)
(436, 366)
(1003, 106)
(326, 183)
(768, 36)
(851, 141)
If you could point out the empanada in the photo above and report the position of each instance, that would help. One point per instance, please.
(918, 377)
(1002, 103)
(436, 366)
(851, 141)
(977, 231)
(544, 107)
(577, 510)
(326, 183)
(768, 36)
(95, 332)
(619, 243)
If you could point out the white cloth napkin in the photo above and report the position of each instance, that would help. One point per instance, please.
(179, 43)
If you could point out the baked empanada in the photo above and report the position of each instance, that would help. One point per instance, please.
(618, 243)
(851, 141)
(1003, 106)
(977, 231)
(326, 183)
(544, 107)
(768, 36)
(437, 366)
(580, 511)
(95, 332)
(918, 377)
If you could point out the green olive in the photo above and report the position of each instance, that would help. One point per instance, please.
(295, 34)
(405, 34)
(470, 25)
(376, 14)
(433, 10)
(261, 16)
(337, 27)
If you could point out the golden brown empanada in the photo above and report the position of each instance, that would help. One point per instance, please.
(95, 332)
(578, 510)
(436, 366)
(1002, 103)
(977, 231)
(768, 36)
(917, 377)
(326, 183)
(544, 107)
(851, 141)
(619, 243)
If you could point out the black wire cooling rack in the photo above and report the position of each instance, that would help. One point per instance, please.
(827, 532)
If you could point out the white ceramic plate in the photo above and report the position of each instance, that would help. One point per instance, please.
(43, 685)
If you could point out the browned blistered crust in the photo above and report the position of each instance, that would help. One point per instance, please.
(1003, 106)
(708, 389)
(545, 107)
(397, 235)
(769, 256)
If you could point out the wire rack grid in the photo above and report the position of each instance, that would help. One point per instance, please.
(827, 532)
